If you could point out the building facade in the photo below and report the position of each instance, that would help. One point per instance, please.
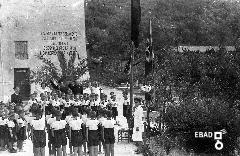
(37, 27)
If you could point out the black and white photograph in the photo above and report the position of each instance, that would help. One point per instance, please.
(119, 77)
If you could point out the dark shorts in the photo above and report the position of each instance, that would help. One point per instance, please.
(93, 137)
(77, 138)
(114, 111)
(21, 135)
(126, 110)
(39, 138)
(50, 137)
(48, 110)
(109, 136)
(67, 110)
(80, 109)
(3, 132)
(94, 108)
(60, 138)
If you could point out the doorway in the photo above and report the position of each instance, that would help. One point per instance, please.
(22, 80)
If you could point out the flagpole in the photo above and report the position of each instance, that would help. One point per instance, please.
(131, 78)
(135, 22)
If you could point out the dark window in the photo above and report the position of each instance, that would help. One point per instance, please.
(21, 50)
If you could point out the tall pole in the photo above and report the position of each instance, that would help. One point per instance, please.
(131, 78)
(1, 55)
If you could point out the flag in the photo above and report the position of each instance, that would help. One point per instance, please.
(127, 68)
(149, 52)
(135, 21)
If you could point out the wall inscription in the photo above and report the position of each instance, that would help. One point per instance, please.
(56, 42)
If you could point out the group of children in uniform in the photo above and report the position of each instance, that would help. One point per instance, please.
(80, 121)
(12, 128)
(77, 121)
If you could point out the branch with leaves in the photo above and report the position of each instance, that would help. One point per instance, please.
(70, 70)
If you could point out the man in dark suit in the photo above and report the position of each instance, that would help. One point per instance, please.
(63, 87)
(76, 88)
(15, 97)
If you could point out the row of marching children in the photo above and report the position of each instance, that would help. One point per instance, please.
(83, 131)
(81, 119)
(61, 100)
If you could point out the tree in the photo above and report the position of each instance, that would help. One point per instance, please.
(208, 87)
(68, 70)
(184, 22)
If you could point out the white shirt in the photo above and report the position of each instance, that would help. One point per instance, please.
(10, 124)
(92, 124)
(77, 103)
(3, 121)
(48, 117)
(97, 103)
(55, 103)
(101, 120)
(37, 99)
(43, 103)
(57, 125)
(68, 118)
(51, 120)
(76, 124)
(114, 104)
(84, 118)
(126, 102)
(72, 102)
(108, 123)
(29, 118)
(96, 90)
(38, 124)
(41, 90)
(21, 122)
(92, 103)
(87, 90)
(62, 101)
(67, 103)
(85, 103)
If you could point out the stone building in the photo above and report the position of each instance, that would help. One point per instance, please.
(32, 27)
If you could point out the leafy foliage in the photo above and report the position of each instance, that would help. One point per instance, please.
(208, 87)
(70, 70)
(183, 22)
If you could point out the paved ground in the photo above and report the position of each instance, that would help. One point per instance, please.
(121, 149)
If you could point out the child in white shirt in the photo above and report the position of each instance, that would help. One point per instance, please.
(108, 134)
(39, 134)
(59, 134)
(3, 130)
(92, 134)
(12, 132)
(76, 133)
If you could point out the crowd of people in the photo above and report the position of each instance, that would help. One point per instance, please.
(65, 115)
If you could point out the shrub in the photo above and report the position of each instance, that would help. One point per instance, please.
(202, 115)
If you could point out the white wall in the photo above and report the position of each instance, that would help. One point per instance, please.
(24, 20)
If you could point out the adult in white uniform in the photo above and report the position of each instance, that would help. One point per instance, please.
(88, 90)
(138, 128)
(96, 90)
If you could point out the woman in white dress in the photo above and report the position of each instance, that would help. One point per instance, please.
(138, 128)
